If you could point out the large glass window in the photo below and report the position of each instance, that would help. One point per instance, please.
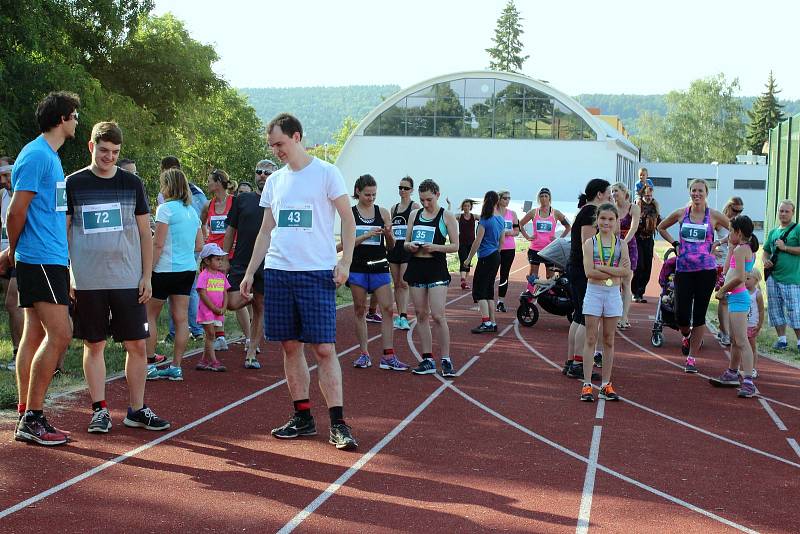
(479, 107)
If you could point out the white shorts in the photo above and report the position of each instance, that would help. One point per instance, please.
(602, 301)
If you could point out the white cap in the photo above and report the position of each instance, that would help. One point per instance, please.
(211, 249)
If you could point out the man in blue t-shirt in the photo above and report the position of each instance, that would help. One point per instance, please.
(37, 232)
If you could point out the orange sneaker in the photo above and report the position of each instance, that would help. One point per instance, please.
(586, 393)
(607, 392)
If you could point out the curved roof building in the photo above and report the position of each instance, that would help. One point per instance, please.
(479, 130)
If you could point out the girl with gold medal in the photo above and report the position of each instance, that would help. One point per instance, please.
(607, 263)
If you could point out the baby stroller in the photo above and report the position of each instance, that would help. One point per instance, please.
(665, 312)
(553, 295)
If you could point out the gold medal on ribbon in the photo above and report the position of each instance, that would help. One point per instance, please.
(600, 255)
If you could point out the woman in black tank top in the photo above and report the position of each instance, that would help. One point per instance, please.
(369, 272)
(399, 256)
(427, 273)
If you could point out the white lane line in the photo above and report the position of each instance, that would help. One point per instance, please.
(793, 444)
(679, 366)
(585, 510)
(671, 418)
(600, 467)
(347, 475)
(467, 365)
(773, 415)
(150, 444)
(601, 409)
(488, 345)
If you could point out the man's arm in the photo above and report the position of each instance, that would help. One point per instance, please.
(260, 248)
(146, 244)
(342, 270)
(16, 217)
(227, 243)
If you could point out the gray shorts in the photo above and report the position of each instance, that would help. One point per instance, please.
(602, 301)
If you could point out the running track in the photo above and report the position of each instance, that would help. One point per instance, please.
(505, 446)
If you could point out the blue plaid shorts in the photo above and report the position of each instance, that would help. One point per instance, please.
(783, 304)
(299, 305)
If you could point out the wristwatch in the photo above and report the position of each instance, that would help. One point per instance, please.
(676, 244)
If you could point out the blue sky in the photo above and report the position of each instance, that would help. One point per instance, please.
(579, 46)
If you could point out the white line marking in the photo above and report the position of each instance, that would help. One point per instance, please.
(142, 448)
(679, 366)
(600, 467)
(347, 475)
(601, 409)
(467, 365)
(669, 417)
(488, 345)
(793, 444)
(585, 509)
(773, 415)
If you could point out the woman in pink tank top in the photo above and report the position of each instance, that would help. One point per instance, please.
(543, 221)
(507, 247)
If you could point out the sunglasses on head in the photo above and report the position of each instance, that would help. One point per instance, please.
(737, 210)
(264, 171)
(404, 188)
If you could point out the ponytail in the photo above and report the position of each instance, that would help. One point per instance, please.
(754, 243)
(582, 200)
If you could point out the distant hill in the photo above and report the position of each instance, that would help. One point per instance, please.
(629, 107)
(321, 109)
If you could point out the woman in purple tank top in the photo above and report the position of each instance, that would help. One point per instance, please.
(629, 214)
(696, 266)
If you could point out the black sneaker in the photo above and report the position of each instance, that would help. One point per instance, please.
(37, 430)
(598, 359)
(501, 307)
(484, 328)
(101, 421)
(341, 437)
(296, 426)
(576, 371)
(144, 418)
(447, 368)
(567, 365)
(426, 367)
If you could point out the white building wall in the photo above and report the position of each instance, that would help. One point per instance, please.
(671, 198)
(467, 168)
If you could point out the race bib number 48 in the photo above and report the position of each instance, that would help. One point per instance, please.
(102, 218)
(298, 218)
(399, 231)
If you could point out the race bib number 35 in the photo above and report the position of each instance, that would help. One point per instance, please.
(299, 218)
(694, 233)
(423, 234)
(102, 218)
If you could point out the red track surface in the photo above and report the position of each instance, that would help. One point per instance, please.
(507, 446)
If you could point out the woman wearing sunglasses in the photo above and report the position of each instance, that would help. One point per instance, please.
(399, 256)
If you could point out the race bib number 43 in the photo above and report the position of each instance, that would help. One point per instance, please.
(102, 218)
(298, 218)
(423, 234)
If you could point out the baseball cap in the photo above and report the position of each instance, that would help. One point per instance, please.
(211, 249)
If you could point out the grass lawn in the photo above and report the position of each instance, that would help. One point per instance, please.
(72, 377)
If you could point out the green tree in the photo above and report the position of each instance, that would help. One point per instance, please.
(330, 151)
(505, 54)
(765, 115)
(703, 124)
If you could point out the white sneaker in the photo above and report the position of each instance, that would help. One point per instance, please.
(220, 343)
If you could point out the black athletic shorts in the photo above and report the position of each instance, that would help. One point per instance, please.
(98, 313)
(166, 284)
(485, 273)
(577, 285)
(42, 283)
(236, 275)
(534, 258)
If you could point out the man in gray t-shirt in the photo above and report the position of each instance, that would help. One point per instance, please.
(111, 258)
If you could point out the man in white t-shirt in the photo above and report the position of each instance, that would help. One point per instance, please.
(301, 273)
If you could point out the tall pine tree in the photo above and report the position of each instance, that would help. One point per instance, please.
(505, 54)
(765, 115)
